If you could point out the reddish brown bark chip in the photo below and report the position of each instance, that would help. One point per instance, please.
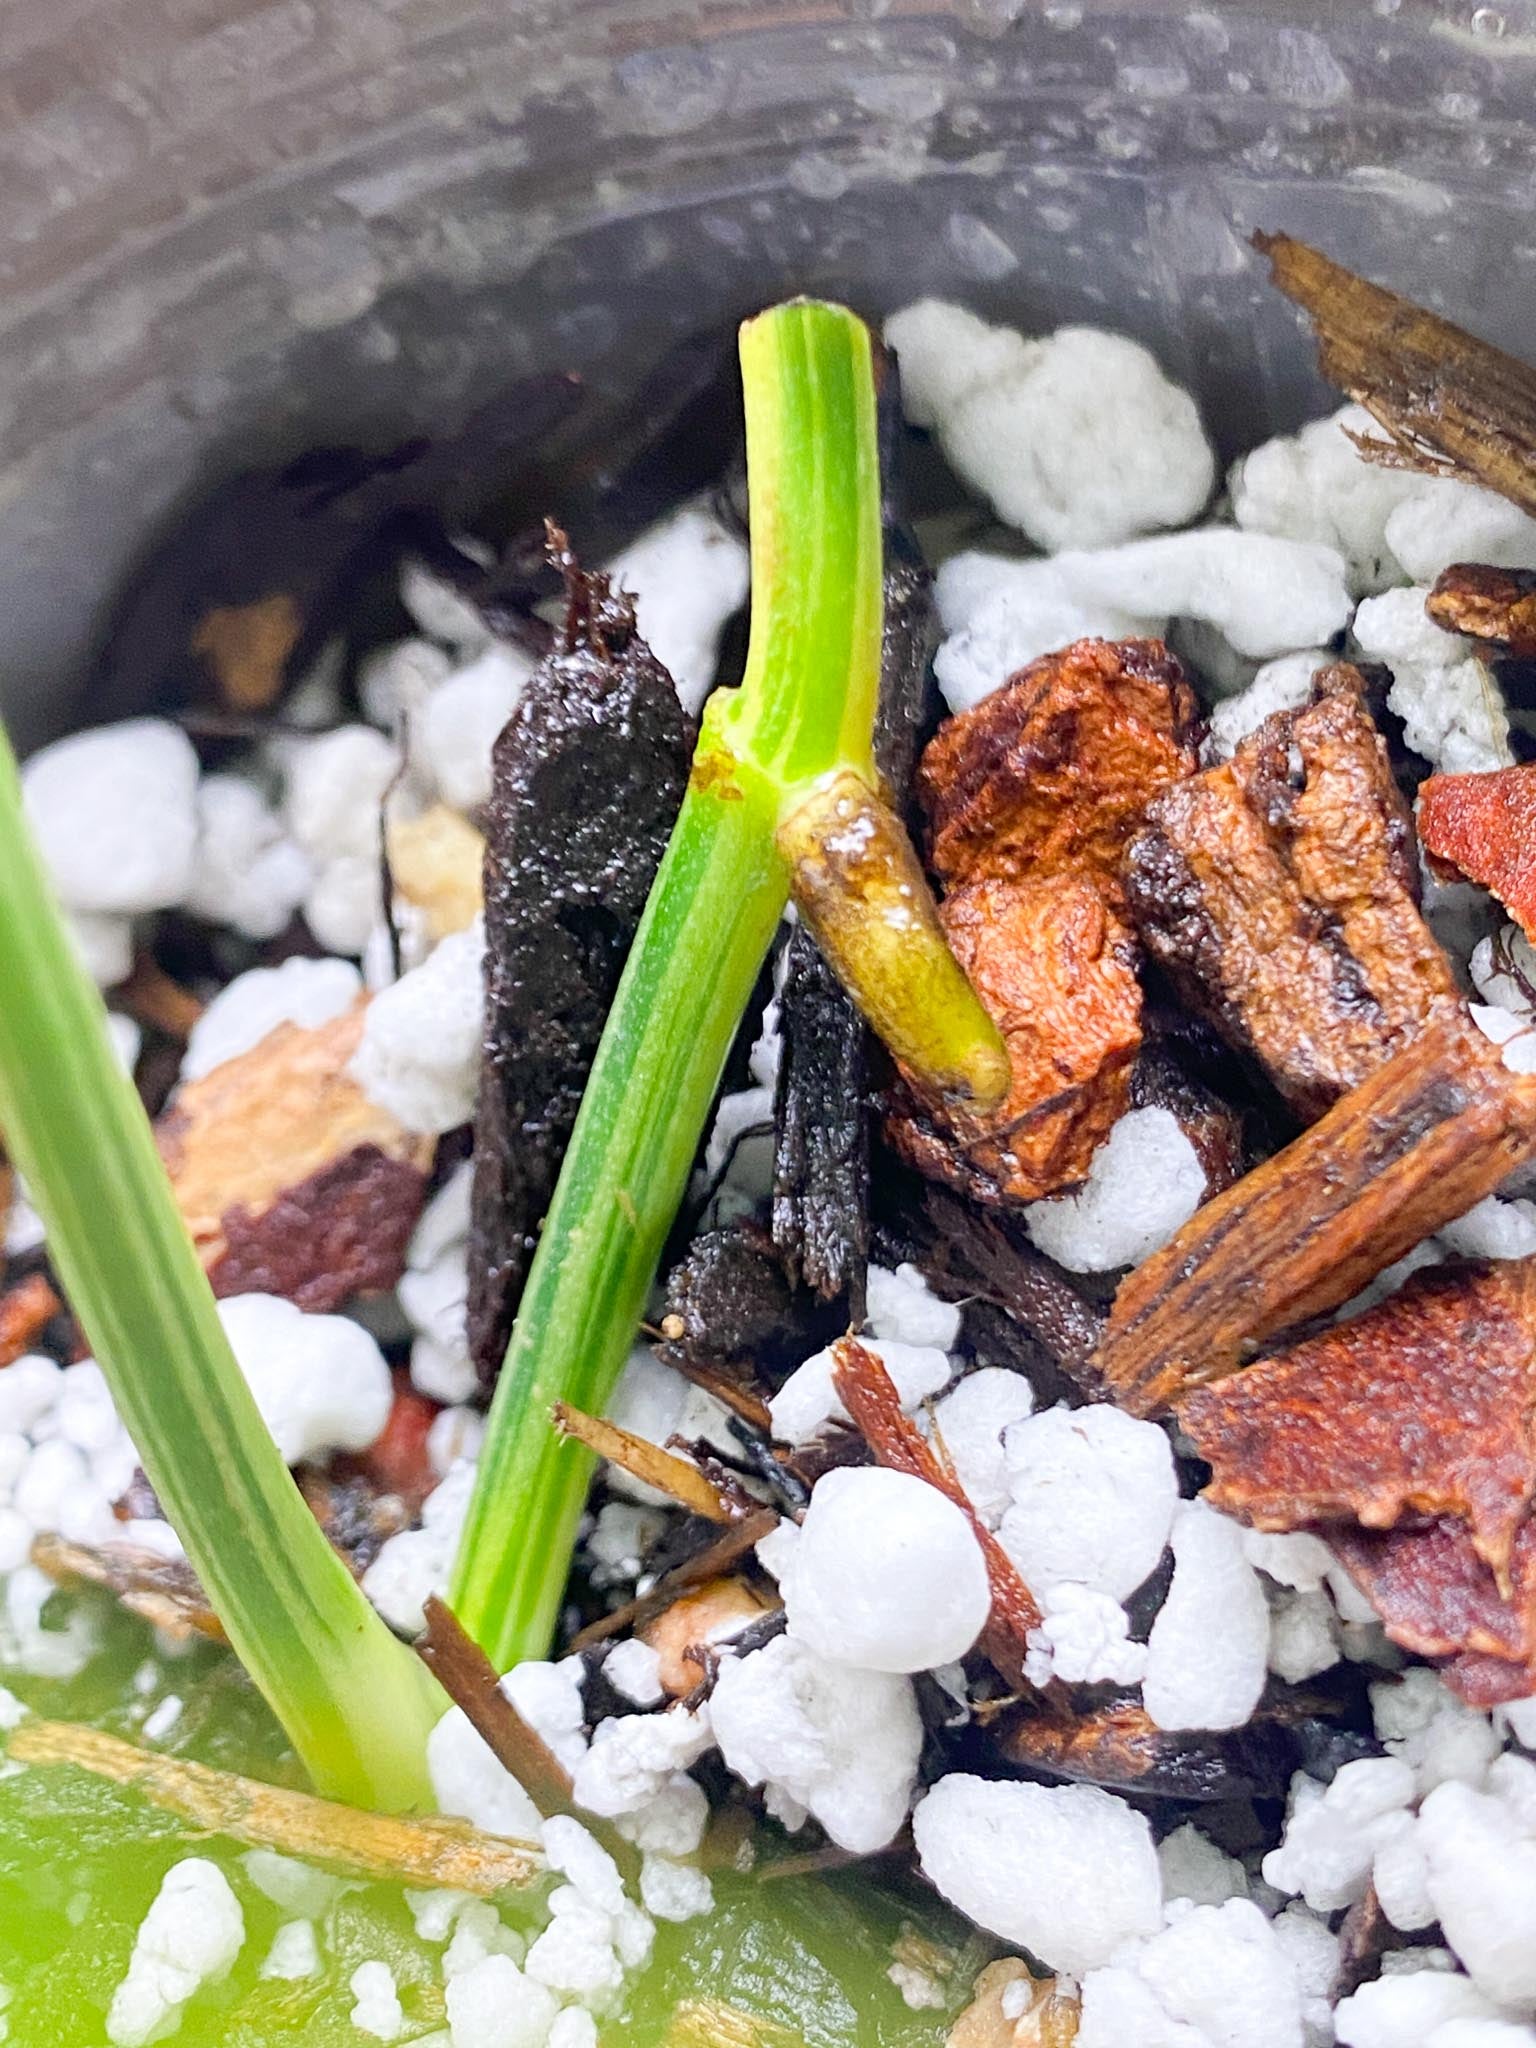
(1051, 773)
(866, 1390)
(1437, 1598)
(1496, 605)
(1278, 892)
(1484, 826)
(26, 1310)
(1426, 1406)
(1056, 970)
(290, 1180)
(1427, 1135)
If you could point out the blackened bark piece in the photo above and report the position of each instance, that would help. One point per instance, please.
(730, 1302)
(587, 777)
(1279, 894)
(1427, 1135)
(1424, 1406)
(821, 1134)
(821, 1114)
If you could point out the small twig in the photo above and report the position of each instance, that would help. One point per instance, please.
(163, 1591)
(434, 1852)
(675, 1477)
(470, 1680)
(711, 1562)
(1433, 386)
(710, 1379)
(869, 1394)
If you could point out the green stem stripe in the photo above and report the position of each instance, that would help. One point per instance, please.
(805, 708)
(357, 1705)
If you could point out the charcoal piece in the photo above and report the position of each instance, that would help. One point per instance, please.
(821, 1147)
(587, 777)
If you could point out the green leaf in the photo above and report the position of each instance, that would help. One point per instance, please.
(356, 1704)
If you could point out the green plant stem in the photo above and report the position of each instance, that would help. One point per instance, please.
(805, 709)
(356, 1704)
(717, 900)
(801, 722)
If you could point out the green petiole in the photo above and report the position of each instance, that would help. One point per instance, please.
(803, 716)
(356, 1704)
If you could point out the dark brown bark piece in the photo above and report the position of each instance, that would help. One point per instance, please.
(1448, 401)
(1119, 1746)
(970, 1254)
(1365, 1935)
(1278, 892)
(1423, 1407)
(587, 777)
(1436, 1128)
(470, 1680)
(1051, 773)
(1484, 603)
(341, 1232)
